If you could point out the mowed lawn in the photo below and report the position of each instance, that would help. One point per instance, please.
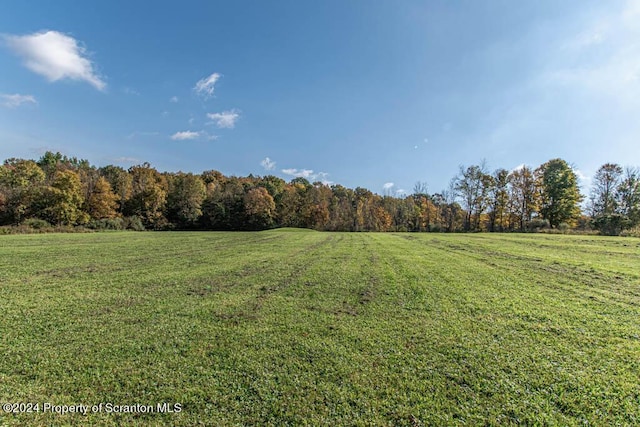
(290, 327)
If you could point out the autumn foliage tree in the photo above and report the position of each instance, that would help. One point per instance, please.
(148, 196)
(67, 191)
(259, 208)
(21, 182)
(62, 200)
(102, 202)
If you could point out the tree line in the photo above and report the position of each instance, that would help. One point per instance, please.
(68, 191)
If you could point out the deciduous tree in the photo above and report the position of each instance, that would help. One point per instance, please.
(20, 184)
(184, 199)
(259, 208)
(628, 196)
(523, 195)
(499, 200)
(148, 196)
(472, 186)
(102, 202)
(62, 200)
(560, 196)
(603, 189)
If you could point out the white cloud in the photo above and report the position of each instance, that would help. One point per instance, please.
(226, 119)
(184, 135)
(309, 175)
(585, 180)
(401, 192)
(268, 164)
(387, 188)
(173, 99)
(299, 173)
(519, 167)
(55, 56)
(192, 135)
(322, 177)
(17, 100)
(206, 86)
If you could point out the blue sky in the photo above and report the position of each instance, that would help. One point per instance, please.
(378, 94)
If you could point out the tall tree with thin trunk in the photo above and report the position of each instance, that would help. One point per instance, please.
(524, 195)
(499, 200)
(603, 190)
(472, 186)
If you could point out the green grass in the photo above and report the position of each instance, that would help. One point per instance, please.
(310, 328)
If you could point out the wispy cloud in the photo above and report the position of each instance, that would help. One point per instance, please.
(55, 56)
(141, 133)
(192, 135)
(268, 164)
(130, 91)
(322, 177)
(226, 119)
(603, 59)
(584, 179)
(17, 100)
(43, 149)
(185, 135)
(206, 86)
(583, 87)
(173, 99)
(129, 160)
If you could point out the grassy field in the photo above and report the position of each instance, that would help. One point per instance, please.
(289, 327)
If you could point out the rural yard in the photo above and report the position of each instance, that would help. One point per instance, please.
(295, 327)
(329, 213)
